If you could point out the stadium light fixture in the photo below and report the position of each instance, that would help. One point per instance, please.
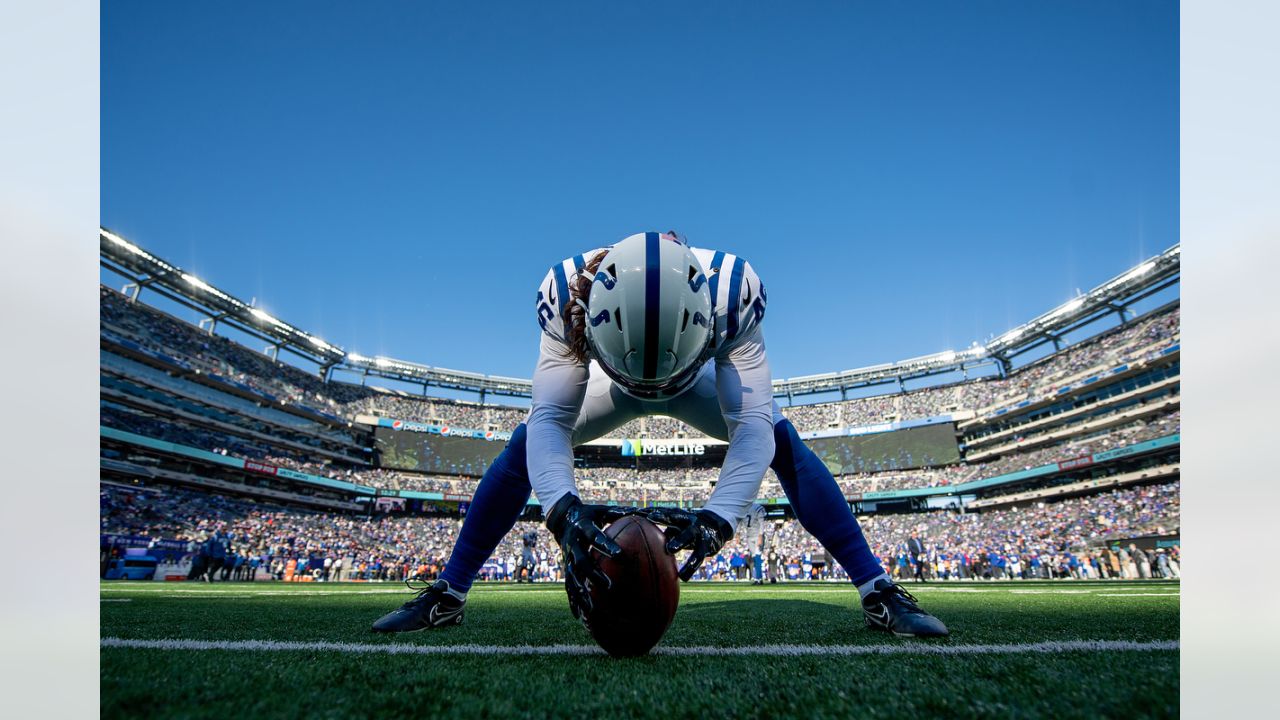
(116, 239)
(1012, 335)
(1138, 272)
(264, 317)
(381, 362)
(197, 282)
(1067, 309)
(357, 358)
(947, 356)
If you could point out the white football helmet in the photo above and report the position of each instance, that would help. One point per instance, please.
(649, 319)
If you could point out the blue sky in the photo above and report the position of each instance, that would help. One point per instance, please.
(906, 177)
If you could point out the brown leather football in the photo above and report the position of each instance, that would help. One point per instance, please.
(632, 616)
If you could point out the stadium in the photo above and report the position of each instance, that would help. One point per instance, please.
(264, 490)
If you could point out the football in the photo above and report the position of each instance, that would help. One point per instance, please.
(631, 617)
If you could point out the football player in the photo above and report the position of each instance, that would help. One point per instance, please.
(751, 528)
(651, 326)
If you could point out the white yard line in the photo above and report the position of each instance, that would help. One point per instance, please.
(1173, 594)
(904, 648)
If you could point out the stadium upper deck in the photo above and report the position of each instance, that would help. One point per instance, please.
(125, 324)
(1114, 296)
(169, 380)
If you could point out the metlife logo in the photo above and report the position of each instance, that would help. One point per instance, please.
(637, 448)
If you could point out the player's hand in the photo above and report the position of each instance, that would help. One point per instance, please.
(577, 528)
(702, 532)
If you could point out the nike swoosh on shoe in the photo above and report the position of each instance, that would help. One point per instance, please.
(881, 617)
(436, 617)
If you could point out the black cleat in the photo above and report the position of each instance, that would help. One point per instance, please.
(892, 609)
(433, 607)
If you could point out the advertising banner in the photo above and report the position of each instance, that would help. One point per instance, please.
(446, 430)
(641, 447)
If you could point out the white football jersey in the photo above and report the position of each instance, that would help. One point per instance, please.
(737, 295)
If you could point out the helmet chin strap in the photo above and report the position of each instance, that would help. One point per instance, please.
(672, 387)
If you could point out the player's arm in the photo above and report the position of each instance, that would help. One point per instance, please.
(559, 386)
(744, 384)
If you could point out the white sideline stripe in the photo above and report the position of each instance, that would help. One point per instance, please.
(905, 648)
(116, 600)
(1137, 594)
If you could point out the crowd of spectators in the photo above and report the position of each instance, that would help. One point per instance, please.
(1087, 444)
(621, 485)
(849, 413)
(1067, 538)
(1061, 536)
(617, 484)
(1036, 380)
(219, 356)
(378, 547)
(222, 444)
(437, 411)
(908, 479)
(128, 420)
(1043, 377)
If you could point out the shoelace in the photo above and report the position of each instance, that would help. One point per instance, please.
(422, 591)
(906, 600)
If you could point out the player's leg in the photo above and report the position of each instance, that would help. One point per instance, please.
(504, 490)
(815, 496)
(500, 496)
(822, 509)
(819, 505)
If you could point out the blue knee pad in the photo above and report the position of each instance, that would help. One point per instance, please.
(500, 497)
(819, 504)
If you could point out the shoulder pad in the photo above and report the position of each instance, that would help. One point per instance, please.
(553, 295)
(738, 297)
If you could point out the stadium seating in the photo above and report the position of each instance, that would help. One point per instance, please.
(168, 380)
(385, 547)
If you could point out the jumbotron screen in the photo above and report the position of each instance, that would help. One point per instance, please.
(427, 452)
(926, 446)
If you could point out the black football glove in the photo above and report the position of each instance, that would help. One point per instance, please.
(577, 528)
(702, 532)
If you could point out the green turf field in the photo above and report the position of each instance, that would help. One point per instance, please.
(804, 652)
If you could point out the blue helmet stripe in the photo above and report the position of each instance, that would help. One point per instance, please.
(735, 287)
(562, 287)
(578, 263)
(652, 275)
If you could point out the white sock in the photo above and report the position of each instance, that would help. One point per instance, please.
(869, 586)
(456, 593)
